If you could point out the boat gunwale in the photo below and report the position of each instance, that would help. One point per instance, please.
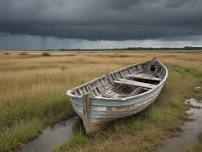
(120, 105)
(69, 92)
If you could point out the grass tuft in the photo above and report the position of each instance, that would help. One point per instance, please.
(16, 135)
(23, 53)
(7, 53)
(45, 54)
(76, 141)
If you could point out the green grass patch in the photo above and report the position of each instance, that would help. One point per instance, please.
(75, 142)
(192, 71)
(20, 132)
(51, 106)
(47, 108)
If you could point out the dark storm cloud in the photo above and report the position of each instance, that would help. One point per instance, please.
(102, 19)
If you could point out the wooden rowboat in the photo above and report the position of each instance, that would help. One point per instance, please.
(118, 94)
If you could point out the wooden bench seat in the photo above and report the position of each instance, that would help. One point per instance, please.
(145, 77)
(134, 83)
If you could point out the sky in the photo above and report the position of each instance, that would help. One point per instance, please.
(91, 24)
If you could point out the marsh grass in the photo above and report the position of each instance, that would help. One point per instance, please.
(45, 54)
(23, 53)
(39, 92)
(22, 131)
(145, 130)
(32, 96)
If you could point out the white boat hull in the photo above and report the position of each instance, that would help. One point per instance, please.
(98, 111)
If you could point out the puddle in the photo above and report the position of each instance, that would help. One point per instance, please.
(198, 88)
(191, 130)
(51, 137)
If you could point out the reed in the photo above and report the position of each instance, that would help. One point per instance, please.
(20, 132)
(32, 96)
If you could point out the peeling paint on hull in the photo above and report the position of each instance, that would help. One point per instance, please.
(100, 110)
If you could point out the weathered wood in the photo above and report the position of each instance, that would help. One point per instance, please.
(112, 95)
(135, 83)
(148, 77)
(86, 114)
(135, 91)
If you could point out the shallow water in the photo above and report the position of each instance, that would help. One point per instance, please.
(50, 137)
(191, 130)
(60, 132)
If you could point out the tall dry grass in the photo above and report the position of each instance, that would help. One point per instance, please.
(32, 87)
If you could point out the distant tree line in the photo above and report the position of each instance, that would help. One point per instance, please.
(137, 48)
(129, 48)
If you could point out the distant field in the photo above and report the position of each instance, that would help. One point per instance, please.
(33, 87)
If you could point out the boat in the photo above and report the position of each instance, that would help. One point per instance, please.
(121, 93)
